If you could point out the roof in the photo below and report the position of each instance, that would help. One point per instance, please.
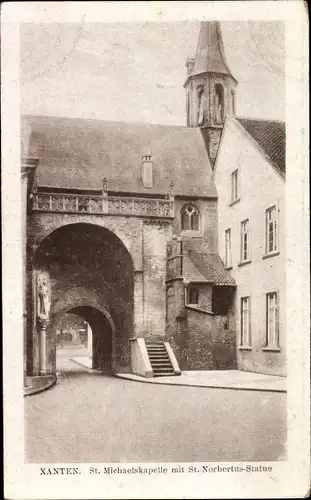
(270, 136)
(79, 153)
(210, 54)
(200, 265)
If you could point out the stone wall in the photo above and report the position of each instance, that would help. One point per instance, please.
(155, 238)
(121, 272)
(202, 341)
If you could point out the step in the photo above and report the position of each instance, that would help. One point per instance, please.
(169, 374)
(160, 366)
(165, 369)
(158, 355)
(157, 358)
(154, 343)
(161, 361)
(156, 349)
(155, 346)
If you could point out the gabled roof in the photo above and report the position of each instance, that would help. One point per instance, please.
(270, 136)
(210, 55)
(200, 265)
(79, 153)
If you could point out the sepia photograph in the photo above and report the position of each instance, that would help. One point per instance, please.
(154, 241)
(154, 185)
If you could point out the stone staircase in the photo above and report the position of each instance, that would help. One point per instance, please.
(159, 359)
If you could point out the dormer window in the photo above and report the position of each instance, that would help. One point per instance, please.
(190, 218)
(219, 104)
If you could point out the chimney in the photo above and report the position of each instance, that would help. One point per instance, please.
(147, 171)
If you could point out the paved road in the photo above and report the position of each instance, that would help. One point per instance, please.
(93, 418)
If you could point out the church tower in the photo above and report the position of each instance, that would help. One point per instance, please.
(210, 87)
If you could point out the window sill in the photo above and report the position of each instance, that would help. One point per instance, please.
(271, 349)
(228, 268)
(272, 254)
(245, 348)
(244, 263)
(233, 202)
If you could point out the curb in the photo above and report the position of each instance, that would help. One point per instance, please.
(209, 386)
(91, 370)
(41, 389)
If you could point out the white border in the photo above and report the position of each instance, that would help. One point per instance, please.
(290, 478)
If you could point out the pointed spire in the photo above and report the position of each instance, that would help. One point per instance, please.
(210, 55)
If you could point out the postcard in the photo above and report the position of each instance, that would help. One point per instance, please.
(155, 257)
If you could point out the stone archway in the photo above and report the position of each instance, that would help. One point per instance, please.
(103, 333)
(90, 270)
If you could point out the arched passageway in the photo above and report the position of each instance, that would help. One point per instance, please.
(94, 343)
(89, 273)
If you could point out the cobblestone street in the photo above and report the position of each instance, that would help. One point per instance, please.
(95, 418)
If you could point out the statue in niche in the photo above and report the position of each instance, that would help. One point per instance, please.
(43, 299)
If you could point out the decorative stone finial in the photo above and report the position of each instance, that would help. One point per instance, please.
(171, 190)
(105, 187)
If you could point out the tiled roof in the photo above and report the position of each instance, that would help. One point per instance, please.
(79, 153)
(270, 136)
(201, 265)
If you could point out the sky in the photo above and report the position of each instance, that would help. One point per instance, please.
(135, 72)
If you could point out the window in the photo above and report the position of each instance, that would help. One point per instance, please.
(272, 320)
(235, 185)
(245, 244)
(271, 229)
(193, 295)
(228, 258)
(190, 218)
(169, 250)
(219, 104)
(245, 322)
(201, 104)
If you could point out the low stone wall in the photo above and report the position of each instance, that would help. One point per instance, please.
(203, 341)
(140, 363)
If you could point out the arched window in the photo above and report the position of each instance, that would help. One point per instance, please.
(190, 218)
(233, 102)
(219, 104)
(201, 104)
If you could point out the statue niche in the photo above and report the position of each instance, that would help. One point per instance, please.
(43, 295)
